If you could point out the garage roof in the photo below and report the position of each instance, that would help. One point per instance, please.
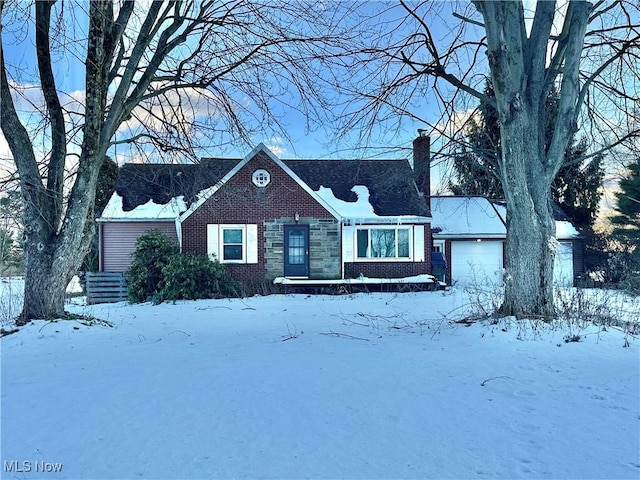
(466, 217)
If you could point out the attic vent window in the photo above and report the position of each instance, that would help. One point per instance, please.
(261, 178)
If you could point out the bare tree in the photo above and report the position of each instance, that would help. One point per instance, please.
(588, 52)
(169, 75)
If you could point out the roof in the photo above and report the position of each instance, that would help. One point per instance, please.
(145, 212)
(479, 217)
(391, 184)
(353, 188)
(137, 184)
(564, 228)
(466, 217)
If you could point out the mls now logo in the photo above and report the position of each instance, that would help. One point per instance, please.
(25, 466)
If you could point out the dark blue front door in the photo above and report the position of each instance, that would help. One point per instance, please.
(296, 250)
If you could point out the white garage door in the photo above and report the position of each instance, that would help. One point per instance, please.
(563, 266)
(476, 263)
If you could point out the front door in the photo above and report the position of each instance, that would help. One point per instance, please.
(296, 250)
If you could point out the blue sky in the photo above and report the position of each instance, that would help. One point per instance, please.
(316, 143)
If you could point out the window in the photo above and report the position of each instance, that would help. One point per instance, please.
(261, 178)
(229, 243)
(232, 244)
(438, 246)
(383, 243)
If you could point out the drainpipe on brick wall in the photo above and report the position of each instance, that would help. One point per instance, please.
(341, 252)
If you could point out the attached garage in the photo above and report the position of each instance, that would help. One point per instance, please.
(118, 241)
(118, 229)
(476, 262)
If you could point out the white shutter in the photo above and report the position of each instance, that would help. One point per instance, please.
(252, 243)
(418, 243)
(348, 232)
(213, 243)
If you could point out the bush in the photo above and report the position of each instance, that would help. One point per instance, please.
(631, 284)
(191, 277)
(144, 276)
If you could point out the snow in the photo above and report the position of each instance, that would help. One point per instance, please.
(148, 211)
(564, 230)
(466, 216)
(361, 210)
(295, 386)
(361, 280)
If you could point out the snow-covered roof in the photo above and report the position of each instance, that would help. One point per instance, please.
(466, 217)
(564, 228)
(478, 217)
(361, 208)
(114, 210)
(361, 211)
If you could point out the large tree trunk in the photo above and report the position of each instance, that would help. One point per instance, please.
(51, 259)
(522, 82)
(530, 223)
(56, 241)
(44, 287)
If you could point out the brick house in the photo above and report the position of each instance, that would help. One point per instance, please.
(270, 219)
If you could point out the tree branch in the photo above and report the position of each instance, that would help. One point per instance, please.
(55, 174)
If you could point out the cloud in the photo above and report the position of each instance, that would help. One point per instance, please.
(276, 145)
(277, 150)
(183, 105)
(7, 166)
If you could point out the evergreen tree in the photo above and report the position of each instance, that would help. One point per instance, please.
(576, 188)
(627, 221)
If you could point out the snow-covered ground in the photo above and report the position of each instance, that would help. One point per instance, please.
(294, 386)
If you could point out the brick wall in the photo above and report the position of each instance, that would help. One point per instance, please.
(385, 269)
(240, 201)
(393, 269)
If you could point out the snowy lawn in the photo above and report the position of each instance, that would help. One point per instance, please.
(293, 386)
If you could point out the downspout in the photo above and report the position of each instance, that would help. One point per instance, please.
(179, 232)
(100, 247)
(341, 250)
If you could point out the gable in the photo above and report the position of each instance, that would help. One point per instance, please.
(259, 158)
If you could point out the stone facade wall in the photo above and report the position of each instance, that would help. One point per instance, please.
(324, 246)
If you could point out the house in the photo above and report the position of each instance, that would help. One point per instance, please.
(471, 231)
(316, 221)
(270, 219)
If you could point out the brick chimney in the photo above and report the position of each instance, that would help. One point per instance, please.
(421, 164)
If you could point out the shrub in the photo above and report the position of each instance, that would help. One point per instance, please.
(631, 284)
(192, 277)
(144, 276)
